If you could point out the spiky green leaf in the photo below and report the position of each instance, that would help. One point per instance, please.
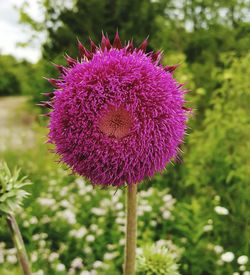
(11, 189)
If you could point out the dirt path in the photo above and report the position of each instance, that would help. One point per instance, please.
(15, 124)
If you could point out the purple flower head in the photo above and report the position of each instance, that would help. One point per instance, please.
(118, 115)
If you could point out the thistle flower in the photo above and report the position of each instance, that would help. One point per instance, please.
(118, 115)
(156, 260)
(11, 198)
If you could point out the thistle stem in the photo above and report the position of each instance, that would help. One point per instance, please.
(19, 244)
(131, 226)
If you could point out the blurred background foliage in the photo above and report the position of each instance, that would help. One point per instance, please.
(210, 39)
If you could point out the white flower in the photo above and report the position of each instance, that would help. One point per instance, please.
(98, 211)
(99, 232)
(77, 263)
(1, 257)
(143, 202)
(87, 250)
(110, 256)
(12, 259)
(90, 238)
(33, 220)
(81, 232)
(34, 257)
(169, 201)
(53, 256)
(208, 227)
(46, 201)
(69, 216)
(242, 260)
(45, 219)
(242, 268)
(65, 203)
(78, 234)
(71, 198)
(120, 214)
(122, 242)
(120, 220)
(93, 227)
(105, 203)
(39, 272)
(115, 196)
(227, 257)
(154, 1)
(140, 211)
(139, 251)
(12, 251)
(60, 267)
(42, 243)
(111, 246)
(85, 272)
(89, 188)
(246, 273)
(236, 273)
(153, 223)
(166, 215)
(26, 224)
(119, 206)
(52, 182)
(64, 191)
(36, 237)
(148, 193)
(167, 198)
(97, 264)
(80, 183)
(220, 262)
(161, 243)
(218, 249)
(221, 210)
(71, 271)
(81, 192)
(147, 208)
(43, 235)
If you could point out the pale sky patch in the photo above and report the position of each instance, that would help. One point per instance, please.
(13, 32)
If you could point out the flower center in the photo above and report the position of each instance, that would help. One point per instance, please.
(116, 122)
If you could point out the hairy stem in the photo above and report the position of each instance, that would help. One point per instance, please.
(131, 226)
(19, 244)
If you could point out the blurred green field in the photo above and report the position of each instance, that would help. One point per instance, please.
(199, 207)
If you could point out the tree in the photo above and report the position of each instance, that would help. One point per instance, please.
(63, 24)
(9, 83)
(218, 162)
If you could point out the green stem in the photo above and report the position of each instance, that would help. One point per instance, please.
(131, 227)
(19, 244)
